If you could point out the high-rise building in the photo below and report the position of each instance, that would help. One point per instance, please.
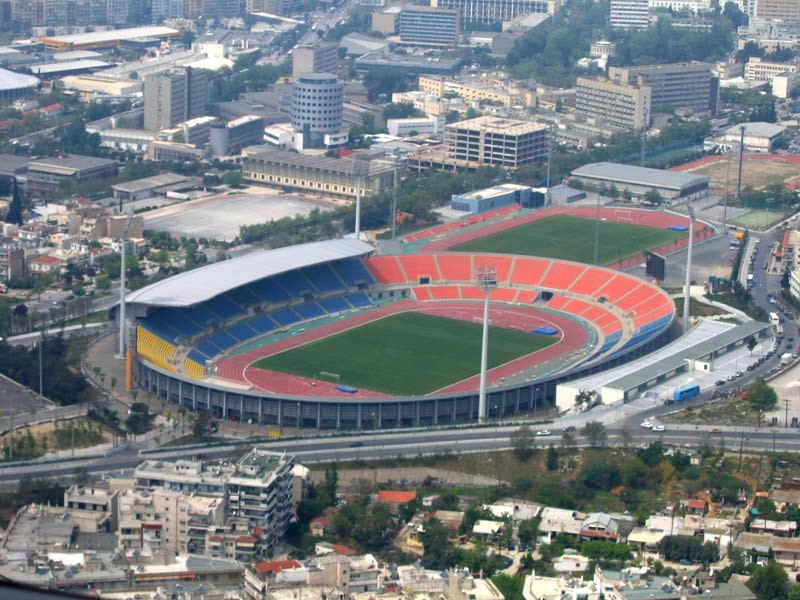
(629, 14)
(787, 11)
(315, 58)
(317, 101)
(496, 11)
(681, 85)
(175, 96)
(428, 26)
(620, 105)
(283, 8)
(490, 140)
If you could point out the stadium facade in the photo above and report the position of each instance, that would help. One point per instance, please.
(180, 328)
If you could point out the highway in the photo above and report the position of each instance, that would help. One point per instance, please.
(410, 444)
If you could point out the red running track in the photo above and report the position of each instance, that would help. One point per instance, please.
(633, 216)
(240, 369)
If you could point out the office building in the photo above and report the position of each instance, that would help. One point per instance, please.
(319, 174)
(315, 58)
(255, 491)
(679, 85)
(175, 96)
(620, 105)
(495, 141)
(758, 69)
(49, 174)
(629, 14)
(317, 101)
(231, 137)
(428, 26)
(496, 11)
(786, 11)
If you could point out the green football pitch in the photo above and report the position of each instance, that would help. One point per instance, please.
(405, 354)
(572, 238)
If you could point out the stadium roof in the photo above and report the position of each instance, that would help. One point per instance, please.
(199, 285)
(633, 175)
(100, 37)
(16, 81)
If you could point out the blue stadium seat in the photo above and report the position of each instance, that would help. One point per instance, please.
(285, 317)
(179, 320)
(262, 324)
(323, 278)
(310, 310)
(223, 306)
(358, 300)
(352, 272)
(241, 332)
(222, 340)
(161, 329)
(207, 349)
(198, 357)
(294, 283)
(334, 305)
(243, 296)
(269, 290)
(202, 315)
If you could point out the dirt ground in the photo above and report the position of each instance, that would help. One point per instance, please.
(756, 173)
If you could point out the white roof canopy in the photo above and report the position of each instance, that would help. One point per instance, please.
(199, 285)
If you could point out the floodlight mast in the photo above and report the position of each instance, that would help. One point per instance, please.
(688, 283)
(485, 280)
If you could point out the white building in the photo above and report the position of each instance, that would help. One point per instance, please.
(758, 137)
(415, 126)
(630, 14)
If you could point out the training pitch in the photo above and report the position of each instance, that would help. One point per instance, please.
(405, 354)
(572, 238)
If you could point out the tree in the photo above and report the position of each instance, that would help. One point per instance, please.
(102, 282)
(634, 473)
(584, 398)
(204, 426)
(761, 396)
(233, 178)
(751, 344)
(436, 544)
(596, 432)
(523, 441)
(14, 214)
(599, 474)
(331, 485)
(20, 310)
(687, 547)
(769, 583)
(652, 197)
(138, 420)
(510, 587)
(399, 110)
(552, 458)
(527, 530)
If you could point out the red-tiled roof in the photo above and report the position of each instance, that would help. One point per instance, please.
(697, 504)
(51, 107)
(343, 550)
(246, 539)
(324, 521)
(215, 538)
(396, 497)
(45, 260)
(275, 566)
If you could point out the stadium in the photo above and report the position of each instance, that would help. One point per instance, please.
(335, 335)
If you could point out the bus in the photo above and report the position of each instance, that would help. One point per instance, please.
(774, 319)
(685, 392)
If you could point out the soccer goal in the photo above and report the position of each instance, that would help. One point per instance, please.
(330, 377)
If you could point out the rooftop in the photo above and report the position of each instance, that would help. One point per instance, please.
(639, 175)
(757, 129)
(9, 80)
(499, 125)
(198, 285)
(147, 183)
(69, 65)
(98, 37)
(396, 497)
(72, 161)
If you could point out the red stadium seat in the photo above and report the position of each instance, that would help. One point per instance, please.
(502, 264)
(637, 296)
(526, 296)
(504, 295)
(421, 293)
(385, 269)
(470, 292)
(562, 275)
(617, 287)
(445, 292)
(576, 307)
(556, 302)
(420, 265)
(455, 267)
(590, 281)
(528, 271)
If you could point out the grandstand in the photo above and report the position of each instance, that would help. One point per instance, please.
(199, 334)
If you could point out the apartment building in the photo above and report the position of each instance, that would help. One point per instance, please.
(496, 11)
(315, 58)
(428, 26)
(786, 11)
(681, 85)
(496, 141)
(682, 6)
(758, 69)
(630, 14)
(255, 491)
(476, 89)
(620, 105)
(175, 96)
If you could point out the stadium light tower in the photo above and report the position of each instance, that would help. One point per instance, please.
(688, 283)
(123, 242)
(360, 170)
(486, 280)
